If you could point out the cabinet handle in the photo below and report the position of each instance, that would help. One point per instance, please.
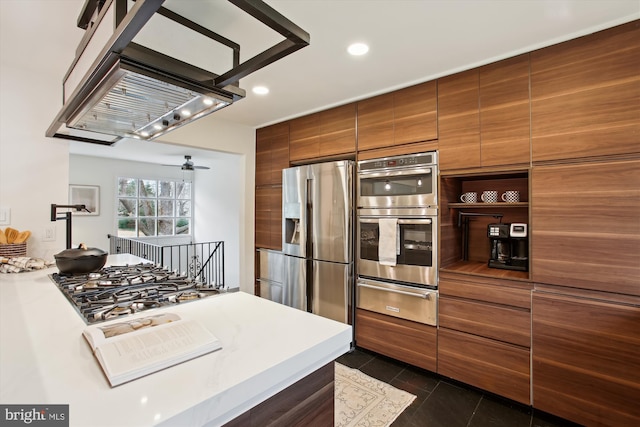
(396, 291)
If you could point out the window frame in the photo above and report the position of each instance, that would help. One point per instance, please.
(157, 199)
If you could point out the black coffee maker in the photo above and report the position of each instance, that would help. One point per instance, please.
(509, 246)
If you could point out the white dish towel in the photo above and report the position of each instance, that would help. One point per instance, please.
(388, 246)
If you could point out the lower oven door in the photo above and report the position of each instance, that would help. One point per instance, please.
(406, 302)
(416, 246)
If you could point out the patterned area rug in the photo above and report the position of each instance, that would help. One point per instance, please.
(365, 401)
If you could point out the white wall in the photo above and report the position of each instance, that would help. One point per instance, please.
(217, 202)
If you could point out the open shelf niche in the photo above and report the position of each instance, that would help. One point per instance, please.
(452, 251)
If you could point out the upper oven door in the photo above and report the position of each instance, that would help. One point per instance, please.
(416, 247)
(414, 187)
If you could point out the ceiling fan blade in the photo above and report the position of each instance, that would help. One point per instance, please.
(175, 166)
(201, 167)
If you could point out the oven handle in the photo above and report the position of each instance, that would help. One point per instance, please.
(374, 219)
(395, 172)
(426, 295)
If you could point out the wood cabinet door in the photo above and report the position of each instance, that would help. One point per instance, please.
(410, 342)
(499, 322)
(272, 154)
(375, 122)
(504, 112)
(337, 131)
(586, 362)
(415, 113)
(492, 365)
(459, 121)
(585, 96)
(268, 222)
(585, 226)
(304, 138)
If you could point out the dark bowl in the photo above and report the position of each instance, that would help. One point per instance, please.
(80, 261)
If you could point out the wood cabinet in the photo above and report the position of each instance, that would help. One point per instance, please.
(410, 342)
(504, 112)
(415, 114)
(585, 96)
(402, 117)
(268, 221)
(272, 154)
(586, 363)
(325, 134)
(483, 116)
(484, 333)
(585, 226)
(375, 122)
(459, 120)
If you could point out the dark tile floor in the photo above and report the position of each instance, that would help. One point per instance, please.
(442, 402)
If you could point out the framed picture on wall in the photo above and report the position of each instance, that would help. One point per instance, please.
(88, 195)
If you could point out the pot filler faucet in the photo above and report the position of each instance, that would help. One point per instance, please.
(66, 217)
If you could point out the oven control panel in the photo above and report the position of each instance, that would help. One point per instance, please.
(397, 162)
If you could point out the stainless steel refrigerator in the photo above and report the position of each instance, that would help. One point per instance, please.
(317, 228)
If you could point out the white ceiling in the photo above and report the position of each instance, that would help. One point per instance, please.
(411, 41)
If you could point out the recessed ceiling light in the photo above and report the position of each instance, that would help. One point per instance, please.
(358, 49)
(260, 90)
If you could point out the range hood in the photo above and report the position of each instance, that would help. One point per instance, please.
(116, 88)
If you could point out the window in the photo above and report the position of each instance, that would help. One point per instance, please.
(149, 207)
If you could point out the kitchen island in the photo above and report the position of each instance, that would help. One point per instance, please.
(266, 348)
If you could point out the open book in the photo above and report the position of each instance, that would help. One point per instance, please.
(133, 348)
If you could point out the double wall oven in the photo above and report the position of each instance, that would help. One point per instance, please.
(397, 244)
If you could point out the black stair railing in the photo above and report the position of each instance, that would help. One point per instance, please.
(203, 262)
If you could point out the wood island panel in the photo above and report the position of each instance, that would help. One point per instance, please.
(504, 112)
(309, 401)
(459, 121)
(585, 96)
(586, 363)
(415, 113)
(488, 364)
(410, 342)
(585, 229)
(375, 122)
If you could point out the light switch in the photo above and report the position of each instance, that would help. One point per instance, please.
(5, 216)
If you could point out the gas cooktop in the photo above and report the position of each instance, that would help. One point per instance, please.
(121, 290)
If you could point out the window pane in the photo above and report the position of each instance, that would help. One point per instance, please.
(183, 226)
(147, 227)
(183, 190)
(165, 227)
(165, 207)
(148, 188)
(127, 187)
(126, 228)
(127, 207)
(183, 208)
(147, 207)
(165, 189)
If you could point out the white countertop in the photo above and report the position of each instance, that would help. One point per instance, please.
(265, 348)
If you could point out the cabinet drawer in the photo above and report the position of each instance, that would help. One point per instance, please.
(410, 342)
(490, 365)
(488, 292)
(487, 320)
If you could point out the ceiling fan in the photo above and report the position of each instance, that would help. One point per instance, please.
(188, 165)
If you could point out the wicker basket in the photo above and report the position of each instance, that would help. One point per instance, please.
(13, 250)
